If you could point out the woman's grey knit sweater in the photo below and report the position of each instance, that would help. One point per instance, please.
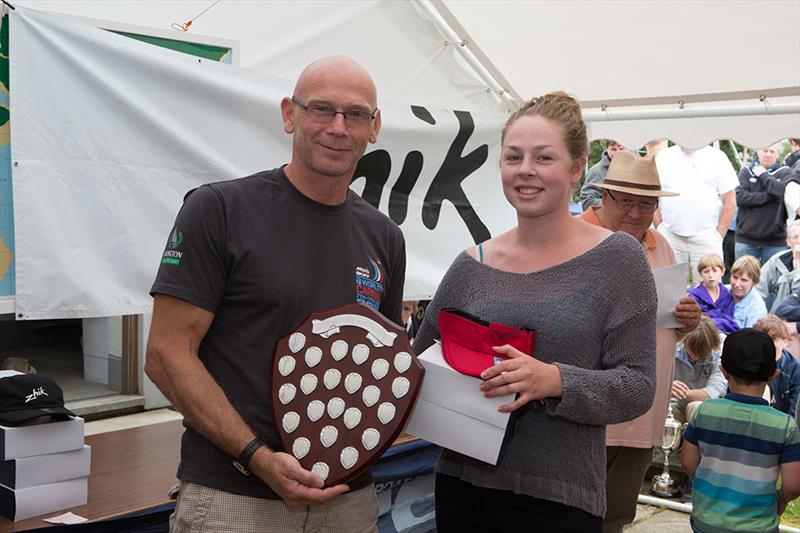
(596, 319)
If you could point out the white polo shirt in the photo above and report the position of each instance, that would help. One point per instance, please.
(700, 178)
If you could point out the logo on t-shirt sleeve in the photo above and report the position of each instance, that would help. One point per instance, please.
(369, 283)
(172, 255)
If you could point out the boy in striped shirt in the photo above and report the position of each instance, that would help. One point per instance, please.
(735, 447)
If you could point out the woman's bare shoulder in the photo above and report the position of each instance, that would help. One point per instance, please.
(493, 245)
(593, 231)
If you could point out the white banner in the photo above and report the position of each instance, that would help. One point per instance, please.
(108, 134)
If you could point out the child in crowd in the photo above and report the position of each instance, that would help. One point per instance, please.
(714, 299)
(749, 305)
(697, 375)
(785, 389)
(735, 446)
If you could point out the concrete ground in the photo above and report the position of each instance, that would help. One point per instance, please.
(651, 519)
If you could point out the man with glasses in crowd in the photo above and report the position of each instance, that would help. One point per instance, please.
(630, 196)
(256, 256)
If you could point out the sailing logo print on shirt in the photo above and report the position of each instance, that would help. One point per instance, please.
(369, 283)
(172, 255)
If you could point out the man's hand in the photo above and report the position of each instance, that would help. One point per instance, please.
(759, 170)
(523, 374)
(679, 390)
(297, 486)
(687, 312)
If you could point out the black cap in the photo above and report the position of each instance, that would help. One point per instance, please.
(749, 354)
(27, 396)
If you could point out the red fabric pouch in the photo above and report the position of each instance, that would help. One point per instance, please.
(467, 340)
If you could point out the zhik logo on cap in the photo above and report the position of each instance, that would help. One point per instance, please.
(27, 396)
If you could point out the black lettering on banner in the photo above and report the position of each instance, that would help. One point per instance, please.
(446, 185)
(423, 114)
(375, 167)
(398, 199)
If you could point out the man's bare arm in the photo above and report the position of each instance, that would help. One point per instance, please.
(173, 364)
(728, 210)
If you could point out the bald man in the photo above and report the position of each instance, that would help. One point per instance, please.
(247, 260)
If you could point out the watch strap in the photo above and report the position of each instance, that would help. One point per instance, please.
(243, 461)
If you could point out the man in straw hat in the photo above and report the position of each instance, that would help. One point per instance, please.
(630, 195)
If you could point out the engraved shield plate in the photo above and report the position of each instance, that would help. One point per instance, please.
(343, 384)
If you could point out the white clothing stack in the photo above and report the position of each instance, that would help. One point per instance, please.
(43, 468)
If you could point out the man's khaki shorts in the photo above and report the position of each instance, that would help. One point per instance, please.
(205, 510)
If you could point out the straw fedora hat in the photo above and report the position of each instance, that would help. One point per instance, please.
(634, 175)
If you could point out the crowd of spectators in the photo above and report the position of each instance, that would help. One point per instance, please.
(758, 209)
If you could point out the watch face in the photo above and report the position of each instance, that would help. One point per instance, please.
(344, 383)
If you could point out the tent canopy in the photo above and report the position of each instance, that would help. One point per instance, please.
(464, 63)
(734, 65)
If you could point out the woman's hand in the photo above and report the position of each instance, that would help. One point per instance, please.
(523, 374)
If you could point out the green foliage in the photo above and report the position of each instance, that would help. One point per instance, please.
(596, 149)
(791, 517)
(734, 152)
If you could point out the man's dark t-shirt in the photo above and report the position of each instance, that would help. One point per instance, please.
(261, 256)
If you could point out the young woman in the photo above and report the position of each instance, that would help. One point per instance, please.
(749, 305)
(590, 296)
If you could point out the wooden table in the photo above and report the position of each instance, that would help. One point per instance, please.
(132, 470)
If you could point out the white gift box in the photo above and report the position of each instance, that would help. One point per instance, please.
(24, 503)
(40, 439)
(40, 469)
(452, 412)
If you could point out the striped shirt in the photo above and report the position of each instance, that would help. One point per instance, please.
(743, 441)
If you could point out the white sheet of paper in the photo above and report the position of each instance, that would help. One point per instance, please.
(66, 518)
(670, 287)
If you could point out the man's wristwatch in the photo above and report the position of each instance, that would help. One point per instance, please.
(243, 461)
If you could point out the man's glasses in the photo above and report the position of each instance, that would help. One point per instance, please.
(627, 204)
(323, 113)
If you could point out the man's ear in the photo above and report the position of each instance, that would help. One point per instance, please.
(376, 127)
(287, 114)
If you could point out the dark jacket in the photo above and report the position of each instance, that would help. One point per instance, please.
(789, 309)
(792, 160)
(794, 176)
(760, 203)
(590, 195)
(786, 387)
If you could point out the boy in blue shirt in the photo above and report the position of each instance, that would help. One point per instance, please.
(736, 446)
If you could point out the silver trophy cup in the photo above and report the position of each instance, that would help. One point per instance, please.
(663, 484)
